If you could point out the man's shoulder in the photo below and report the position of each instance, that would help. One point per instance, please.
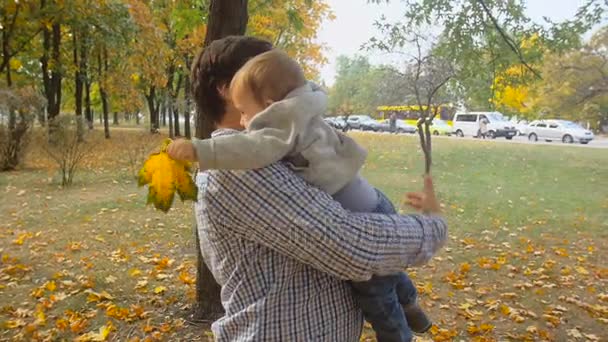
(274, 175)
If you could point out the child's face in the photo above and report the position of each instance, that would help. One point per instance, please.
(246, 104)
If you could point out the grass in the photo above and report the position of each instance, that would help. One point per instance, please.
(526, 258)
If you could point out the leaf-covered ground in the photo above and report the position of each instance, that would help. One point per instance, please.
(526, 260)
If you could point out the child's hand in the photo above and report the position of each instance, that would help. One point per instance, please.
(425, 201)
(182, 149)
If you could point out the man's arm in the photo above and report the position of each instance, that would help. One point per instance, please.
(273, 207)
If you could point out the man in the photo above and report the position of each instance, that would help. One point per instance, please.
(483, 126)
(393, 122)
(280, 248)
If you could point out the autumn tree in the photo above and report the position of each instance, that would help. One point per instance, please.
(483, 38)
(149, 55)
(292, 26)
(575, 83)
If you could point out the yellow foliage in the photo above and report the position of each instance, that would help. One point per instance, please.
(96, 336)
(292, 25)
(165, 176)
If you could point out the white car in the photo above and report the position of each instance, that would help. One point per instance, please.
(467, 124)
(520, 125)
(566, 131)
(400, 126)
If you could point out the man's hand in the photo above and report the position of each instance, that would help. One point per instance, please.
(182, 149)
(425, 201)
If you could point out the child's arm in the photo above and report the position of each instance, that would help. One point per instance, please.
(242, 151)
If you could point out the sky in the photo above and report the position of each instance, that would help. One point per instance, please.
(354, 25)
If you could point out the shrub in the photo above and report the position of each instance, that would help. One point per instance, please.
(18, 109)
(64, 146)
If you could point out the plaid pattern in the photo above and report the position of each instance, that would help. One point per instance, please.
(281, 249)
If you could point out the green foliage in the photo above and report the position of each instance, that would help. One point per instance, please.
(360, 87)
(483, 47)
(575, 83)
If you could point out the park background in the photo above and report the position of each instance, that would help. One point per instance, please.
(90, 88)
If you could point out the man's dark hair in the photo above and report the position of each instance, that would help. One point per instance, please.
(215, 66)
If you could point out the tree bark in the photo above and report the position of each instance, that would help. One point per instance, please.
(174, 107)
(103, 68)
(84, 73)
(153, 108)
(51, 43)
(169, 110)
(226, 17)
(78, 80)
(188, 106)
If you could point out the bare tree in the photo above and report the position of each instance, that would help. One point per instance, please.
(430, 74)
(425, 74)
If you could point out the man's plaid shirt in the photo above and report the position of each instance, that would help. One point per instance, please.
(282, 250)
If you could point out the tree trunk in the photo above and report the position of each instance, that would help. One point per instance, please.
(168, 108)
(6, 57)
(84, 69)
(188, 104)
(103, 68)
(174, 109)
(176, 121)
(153, 108)
(78, 88)
(115, 119)
(137, 118)
(51, 43)
(226, 17)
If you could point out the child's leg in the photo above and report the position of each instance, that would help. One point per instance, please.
(417, 320)
(378, 300)
(406, 291)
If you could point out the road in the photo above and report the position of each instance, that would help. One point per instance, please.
(598, 142)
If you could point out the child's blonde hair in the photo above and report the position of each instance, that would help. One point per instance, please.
(269, 76)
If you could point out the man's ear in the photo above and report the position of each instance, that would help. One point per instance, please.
(224, 91)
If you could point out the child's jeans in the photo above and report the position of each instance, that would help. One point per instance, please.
(381, 298)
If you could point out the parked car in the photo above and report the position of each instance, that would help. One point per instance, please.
(467, 124)
(339, 122)
(440, 127)
(401, 126)
(566, 131)
(330, 121)
(521, 126)
(362, 122)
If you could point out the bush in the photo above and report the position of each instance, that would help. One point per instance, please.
(18, 109)
(64, 146)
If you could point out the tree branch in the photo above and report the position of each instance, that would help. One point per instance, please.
(512, 45)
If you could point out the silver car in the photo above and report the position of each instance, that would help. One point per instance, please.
(566, 131)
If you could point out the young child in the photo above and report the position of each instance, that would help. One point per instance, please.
(283, 116)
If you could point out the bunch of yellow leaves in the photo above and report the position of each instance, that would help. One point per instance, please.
(164, 176)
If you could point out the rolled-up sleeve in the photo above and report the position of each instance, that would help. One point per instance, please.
(275, 208)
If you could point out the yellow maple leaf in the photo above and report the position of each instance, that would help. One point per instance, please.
(185, 278)
(51, 286)
(164, 177)
(98, 297)
(96, 336)
(160, 289)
